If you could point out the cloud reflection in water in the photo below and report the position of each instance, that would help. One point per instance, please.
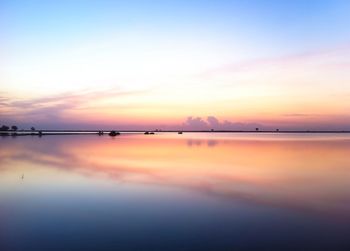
(306, 175)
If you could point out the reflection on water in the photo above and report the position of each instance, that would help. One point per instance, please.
(175, 192)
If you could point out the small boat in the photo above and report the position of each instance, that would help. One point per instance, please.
(114, 133)
(179, 133)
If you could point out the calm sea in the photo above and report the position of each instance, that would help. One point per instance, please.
(195, 191)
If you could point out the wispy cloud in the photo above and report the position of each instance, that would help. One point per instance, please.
(55, 107)
(75, 99)
(4, 101)
(326, 58)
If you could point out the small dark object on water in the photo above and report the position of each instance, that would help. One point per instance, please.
(40, 133)
(114, 133)
(179, 132)
(146, 133)
(100, 133)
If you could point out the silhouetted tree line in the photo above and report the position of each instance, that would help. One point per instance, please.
(13, 128)
(5, 130)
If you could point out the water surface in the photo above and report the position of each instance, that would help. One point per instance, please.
(195, 191)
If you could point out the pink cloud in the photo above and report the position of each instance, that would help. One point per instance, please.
(211, 122)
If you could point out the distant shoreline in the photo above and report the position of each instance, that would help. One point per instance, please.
(105, 132)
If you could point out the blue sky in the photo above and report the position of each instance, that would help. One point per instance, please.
(57, 47)
(291, 22)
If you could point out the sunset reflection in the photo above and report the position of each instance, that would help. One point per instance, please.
(305, 174)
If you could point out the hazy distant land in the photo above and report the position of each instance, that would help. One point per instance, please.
(107, 132)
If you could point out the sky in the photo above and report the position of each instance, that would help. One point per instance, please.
(175, 64)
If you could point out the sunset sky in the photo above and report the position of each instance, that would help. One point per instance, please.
(175, 64)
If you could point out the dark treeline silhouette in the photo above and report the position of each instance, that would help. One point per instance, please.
(12, 128)
(6, 130)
